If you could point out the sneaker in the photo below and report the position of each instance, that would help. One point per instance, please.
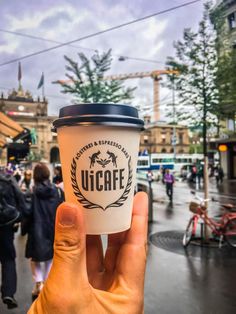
(10, 302)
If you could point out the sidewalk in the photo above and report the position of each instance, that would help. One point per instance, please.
(184, 283)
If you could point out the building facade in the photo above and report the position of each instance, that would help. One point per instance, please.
(164, 138)
(227, 35)
(227, 43)
(32, 115)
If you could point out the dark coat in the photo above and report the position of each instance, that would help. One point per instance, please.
(46, 198)
(14, 197)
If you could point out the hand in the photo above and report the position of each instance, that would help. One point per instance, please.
(82, 280)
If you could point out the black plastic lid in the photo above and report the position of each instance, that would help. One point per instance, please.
(99, 114)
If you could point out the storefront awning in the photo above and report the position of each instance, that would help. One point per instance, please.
(8, 129)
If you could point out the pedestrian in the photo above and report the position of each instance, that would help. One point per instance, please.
(17, 174)
(57, 175)
(199, 174)
(57, 179)
(76, 283)
(163, 171)
(219, 174)
(11, 206)
(26, 184)
(193, 173)
(39, 225)
(150, 177)
(169, 181)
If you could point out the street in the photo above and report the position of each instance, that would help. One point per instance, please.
(176, 282)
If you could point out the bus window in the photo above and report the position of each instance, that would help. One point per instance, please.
(142, 162)
(156, 160)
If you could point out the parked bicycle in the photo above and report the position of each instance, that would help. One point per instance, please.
(223, 229)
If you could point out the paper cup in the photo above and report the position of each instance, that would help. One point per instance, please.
(98, 149)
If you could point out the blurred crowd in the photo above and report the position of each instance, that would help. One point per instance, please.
(29, 198)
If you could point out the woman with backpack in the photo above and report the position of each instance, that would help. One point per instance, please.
(40, 225)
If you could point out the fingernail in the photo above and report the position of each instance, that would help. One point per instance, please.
(67, 216)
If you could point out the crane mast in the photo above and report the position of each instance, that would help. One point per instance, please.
(155, 75)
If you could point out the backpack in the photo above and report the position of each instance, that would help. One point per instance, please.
(9, 214)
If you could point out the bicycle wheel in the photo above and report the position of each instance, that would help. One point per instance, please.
(188, 233)
(230, 232)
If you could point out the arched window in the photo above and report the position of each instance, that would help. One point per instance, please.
(163, 150)
(54, 155)
(171, 150)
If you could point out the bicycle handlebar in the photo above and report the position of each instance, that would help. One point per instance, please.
(202, 200)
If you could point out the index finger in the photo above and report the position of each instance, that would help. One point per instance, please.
(132, 256)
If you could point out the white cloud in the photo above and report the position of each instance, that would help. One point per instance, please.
(10, 47)
(154, 28)
(29, 20)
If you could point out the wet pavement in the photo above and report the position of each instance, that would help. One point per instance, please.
(184, 283)
(175, 283)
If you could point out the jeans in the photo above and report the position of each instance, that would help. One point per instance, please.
(169, 190)
(7, 259)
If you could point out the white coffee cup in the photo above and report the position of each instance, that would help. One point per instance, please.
(98, 146)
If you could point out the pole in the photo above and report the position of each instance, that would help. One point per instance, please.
(43, 91)
(156, 109)
(174, 118)
(150, 203)
(205, 172)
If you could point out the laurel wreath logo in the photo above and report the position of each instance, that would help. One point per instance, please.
(86, 203)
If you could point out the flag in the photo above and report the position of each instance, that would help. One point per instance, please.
(19, 72)
(41, 82)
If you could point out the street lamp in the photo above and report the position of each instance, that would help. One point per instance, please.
(174, 118)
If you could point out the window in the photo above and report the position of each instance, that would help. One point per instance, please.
(156, 160)
(163, 150)
(163, 137)
(181, 137)
(232, 21)
(142, 162)
(145, 138)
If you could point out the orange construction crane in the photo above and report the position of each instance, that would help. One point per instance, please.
(155, 75)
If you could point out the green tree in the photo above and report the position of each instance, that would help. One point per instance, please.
(196, 61)
(88, 82)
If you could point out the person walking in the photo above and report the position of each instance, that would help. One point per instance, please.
(57, 179)
(26, 184)
(219, 174)
(40, 225)
(12, 203)
(169, 181)
(163, 171)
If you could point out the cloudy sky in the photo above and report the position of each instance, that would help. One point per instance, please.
(66, 20)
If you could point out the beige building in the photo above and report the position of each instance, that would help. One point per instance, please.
(164, 138)
(39, 142)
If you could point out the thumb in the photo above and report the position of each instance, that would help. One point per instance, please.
(69, 259)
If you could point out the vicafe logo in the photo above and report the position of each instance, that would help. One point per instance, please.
(101, 175)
